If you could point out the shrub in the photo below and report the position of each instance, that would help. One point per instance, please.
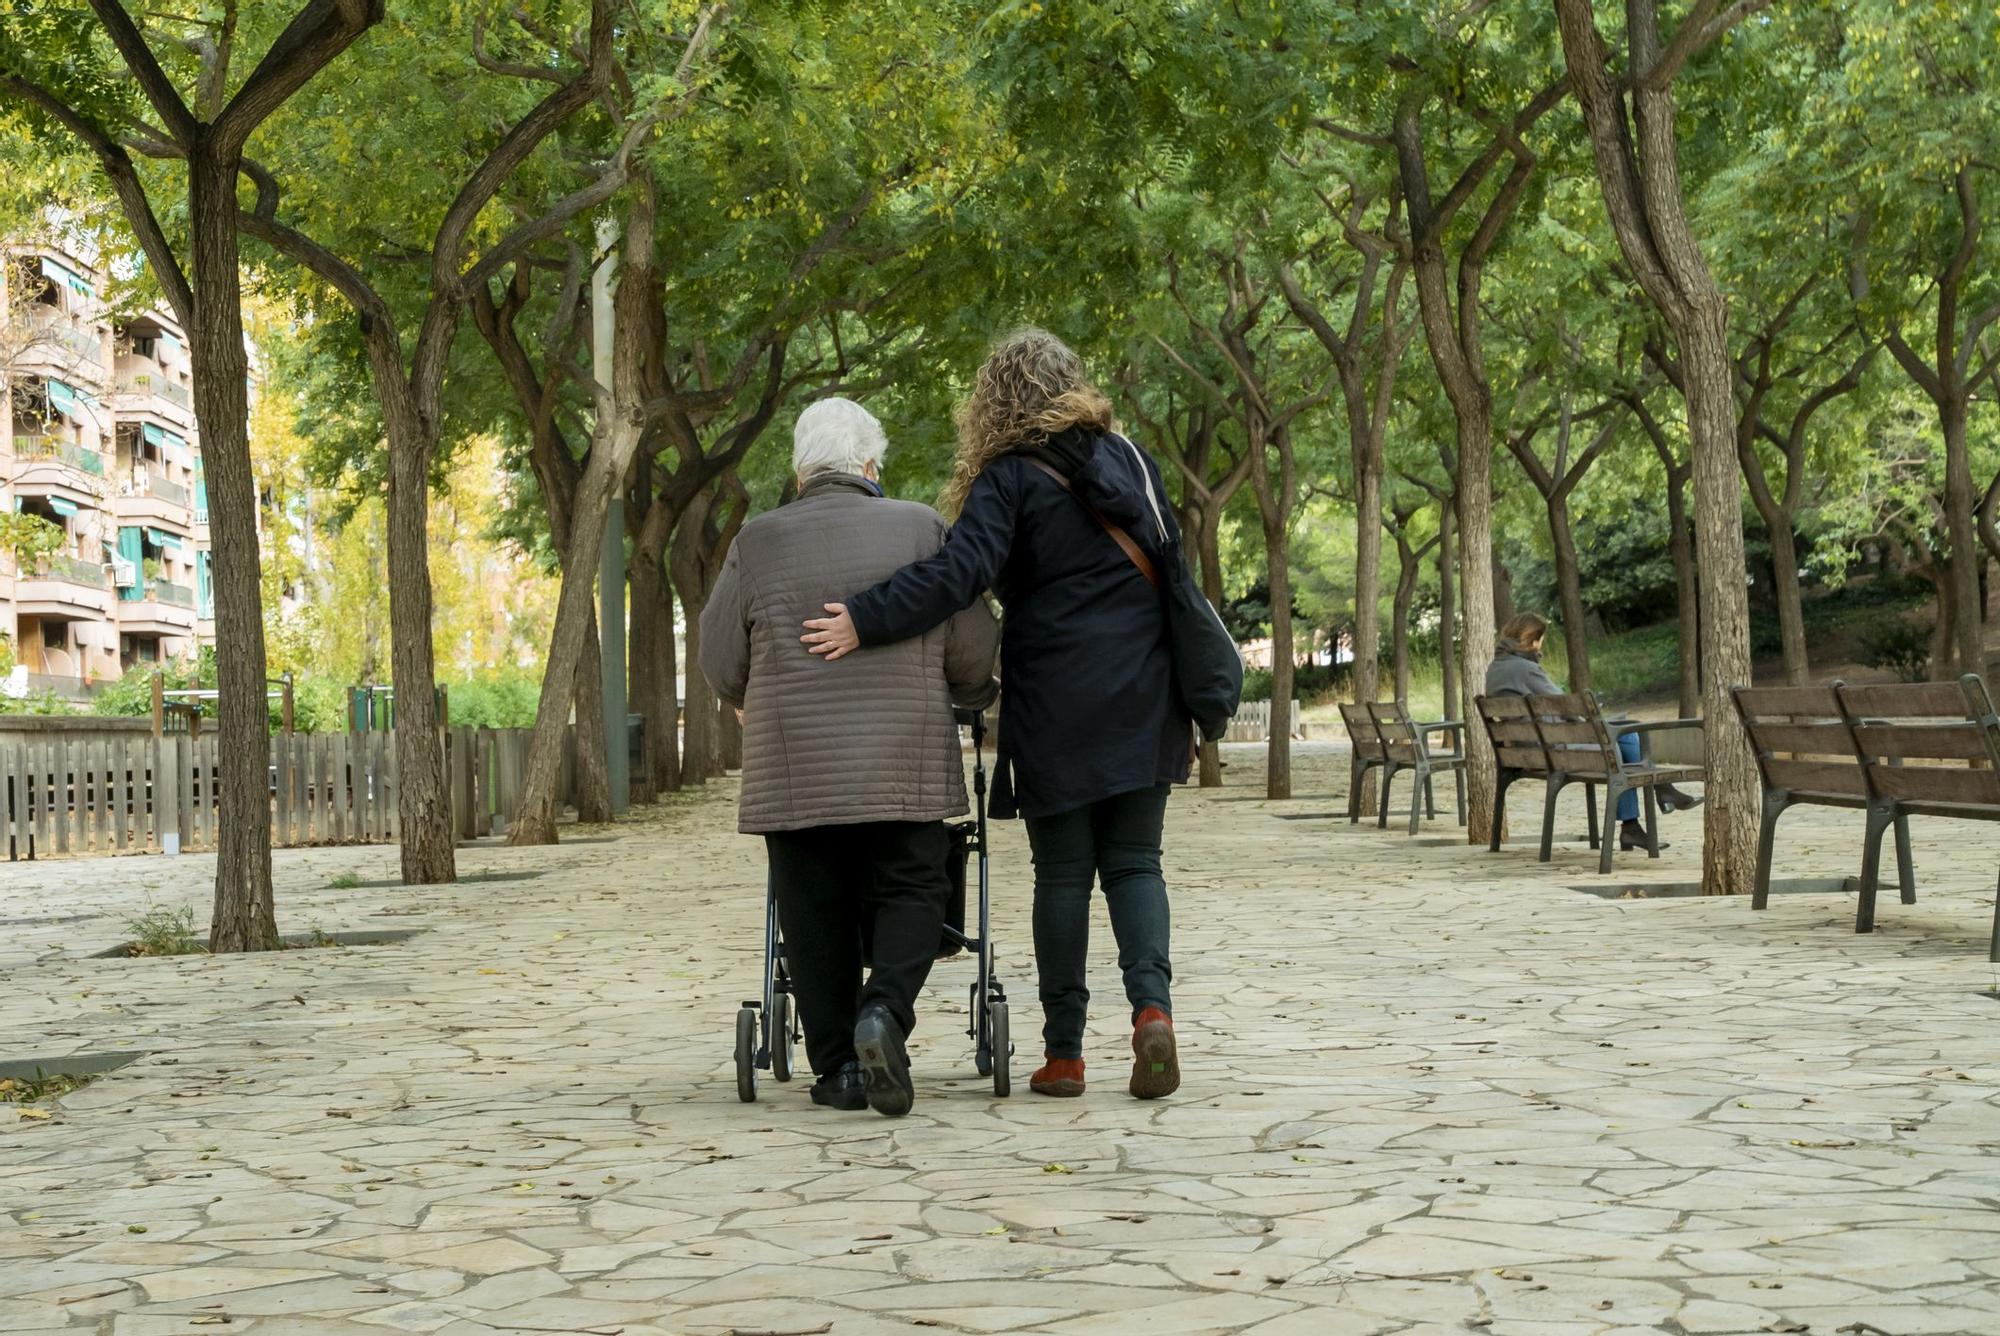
(161, 931)
(504, 698)
(1309, 684)
(1898, 645)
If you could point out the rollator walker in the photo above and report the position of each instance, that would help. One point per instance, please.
(767, 1028)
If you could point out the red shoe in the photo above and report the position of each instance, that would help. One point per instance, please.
(1156, 1063)
(1061, 1077)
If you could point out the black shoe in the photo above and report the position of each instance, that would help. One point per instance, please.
(879, 1041)
(843, 1088)
(1673, 800)
(1632, 836)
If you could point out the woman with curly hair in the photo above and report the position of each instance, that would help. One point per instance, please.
(1092, 733)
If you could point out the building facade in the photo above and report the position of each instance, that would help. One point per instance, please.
(97, 438)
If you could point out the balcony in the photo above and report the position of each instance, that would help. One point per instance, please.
(154, 383)
(73, 570)
(156, 484)
(71, 337)
(65, 587)
(54, 447)
(165, 591)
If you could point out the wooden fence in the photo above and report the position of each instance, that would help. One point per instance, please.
(125, 793)
(1253, 722)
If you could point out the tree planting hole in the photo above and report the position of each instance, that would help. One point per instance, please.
(1691, 890)
(294, 941)
(473, 879)
(73, 1065)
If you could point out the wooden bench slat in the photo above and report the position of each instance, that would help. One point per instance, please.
(1905, 700)
(1936, 783)
(1945, 742)
(1558, 733)
(1843, 777)
(1830, 738)
(1765, 702)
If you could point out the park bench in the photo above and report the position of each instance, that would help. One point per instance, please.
(1406, 745)
(1581, 746)
(1368, 753)
(1806, 757)
(1519, 754)
(1925, 749)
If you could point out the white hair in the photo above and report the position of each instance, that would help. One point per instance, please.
(836, 436)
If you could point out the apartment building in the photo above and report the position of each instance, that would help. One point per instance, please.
(97, 437)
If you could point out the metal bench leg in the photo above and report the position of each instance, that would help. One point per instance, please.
(1879, 820)
(1906, 872)
(1458, 773)
(1590, 811)
(1610, 841)
(1549, 817)
(1767, 830)
(1420, 787)
(1652, 824)
(1502, 782)
(1389, 769)
(1993, 950)
(1355, 773)
(1430, 798)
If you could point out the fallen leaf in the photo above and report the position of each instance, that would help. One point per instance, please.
(1053, 1168)
(42, 1115)
(1786, 1324)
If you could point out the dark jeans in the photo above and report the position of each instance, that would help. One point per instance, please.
(884, 879)
(1628, 801)
(1116, 840)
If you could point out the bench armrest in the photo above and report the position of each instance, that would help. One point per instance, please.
(1440, 725)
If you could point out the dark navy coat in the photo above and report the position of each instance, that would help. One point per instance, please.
(1087, 708)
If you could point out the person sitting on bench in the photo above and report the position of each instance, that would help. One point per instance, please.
(1517, 671)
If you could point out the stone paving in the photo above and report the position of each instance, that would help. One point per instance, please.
(1428, 1089)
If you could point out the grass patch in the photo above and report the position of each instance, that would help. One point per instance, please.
(162, 931)
(41, 1086)
(346, 881)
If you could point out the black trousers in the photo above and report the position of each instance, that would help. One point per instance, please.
(882, 880)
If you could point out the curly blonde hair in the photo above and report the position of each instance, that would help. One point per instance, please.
(1030, 387)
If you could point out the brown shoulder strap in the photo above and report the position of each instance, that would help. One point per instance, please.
(1118, 535)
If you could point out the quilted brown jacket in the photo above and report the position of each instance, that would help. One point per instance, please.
(869, 737)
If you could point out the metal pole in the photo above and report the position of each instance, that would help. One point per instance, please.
(611, 560)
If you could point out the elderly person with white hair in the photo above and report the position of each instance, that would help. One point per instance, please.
(849, 774)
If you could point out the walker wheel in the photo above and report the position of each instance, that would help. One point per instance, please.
(781, 1037)
(746, 1055)
(996, 1034)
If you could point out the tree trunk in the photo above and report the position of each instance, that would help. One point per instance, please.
(1278, 755)
(1680, 542)
(1367, 458)
(1961, 530)
(593, 761)
(1399, 625)
(1790, 598)
(535, 823)
(1455, 705)
(1503, 591)
(1569, 593)
(701, 756)
(1207, 544)
(1476, 634)
(1729, 826)
(655, 692)
(1944, 631)
(245, 913)
(422, 804)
